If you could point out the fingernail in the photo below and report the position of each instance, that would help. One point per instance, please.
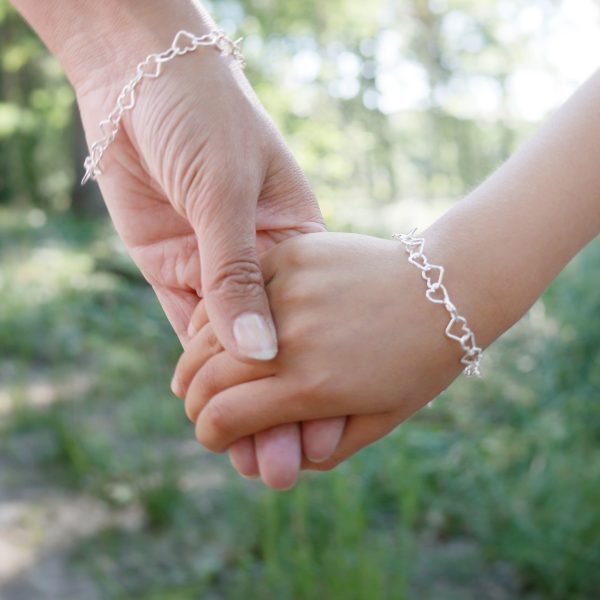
(319, 459)
(191, 330)
(254, 337)
(176, 387)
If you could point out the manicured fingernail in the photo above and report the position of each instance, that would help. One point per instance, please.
(191, 331)
(254, 337)
(176, 387)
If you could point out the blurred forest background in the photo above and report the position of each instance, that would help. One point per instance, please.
(395, 109)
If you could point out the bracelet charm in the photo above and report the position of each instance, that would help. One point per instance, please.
(457, 328)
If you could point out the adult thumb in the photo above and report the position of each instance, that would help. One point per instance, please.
(232, 282)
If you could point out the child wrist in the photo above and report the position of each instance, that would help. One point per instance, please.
(457, 328)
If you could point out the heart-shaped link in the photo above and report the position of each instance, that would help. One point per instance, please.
(170, 54)
(418, 260)
(107, 128)
(457, 328)
(437, 295)
(433, 275)
(468, 342)
(126, 100)
(150, 68)
(96, 152)
(457, 325)
(184, 42)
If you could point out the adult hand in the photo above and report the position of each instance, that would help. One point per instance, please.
(196, 181)
(199, 180)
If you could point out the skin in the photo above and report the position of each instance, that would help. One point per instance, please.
(357, 336)
(321, 369)
(198, 182)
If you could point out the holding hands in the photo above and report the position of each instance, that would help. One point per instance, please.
(301, 349)
(356, 339)
(198, 180)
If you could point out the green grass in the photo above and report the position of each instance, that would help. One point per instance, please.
(507, 468)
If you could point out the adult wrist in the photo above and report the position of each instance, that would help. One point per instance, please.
(95, 42)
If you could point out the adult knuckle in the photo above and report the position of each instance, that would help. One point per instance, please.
(238, 278)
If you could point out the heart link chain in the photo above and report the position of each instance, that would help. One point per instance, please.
(457, 328)
(151, 68)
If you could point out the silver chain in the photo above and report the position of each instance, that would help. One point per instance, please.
(151, 68)
(457, 328)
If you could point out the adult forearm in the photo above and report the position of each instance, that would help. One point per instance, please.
(92, 39)
(510, 237)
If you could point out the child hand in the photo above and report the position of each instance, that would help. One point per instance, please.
(357, 337)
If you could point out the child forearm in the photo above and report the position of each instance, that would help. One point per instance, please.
(510, 237)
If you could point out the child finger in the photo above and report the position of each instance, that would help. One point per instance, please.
(198, 320)
(219, 373)
(202, 347)
(256, 406)
(179, 306)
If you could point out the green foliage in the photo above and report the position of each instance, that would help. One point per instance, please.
(162, 501)
(373, 97)
(338, 542)
(36, 113)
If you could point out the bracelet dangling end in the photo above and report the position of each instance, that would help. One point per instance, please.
(92, 171)
(473, 371)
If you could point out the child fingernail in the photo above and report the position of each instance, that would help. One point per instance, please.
(254, 337)
(318, 459)
(191, 331)
(176, 387)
